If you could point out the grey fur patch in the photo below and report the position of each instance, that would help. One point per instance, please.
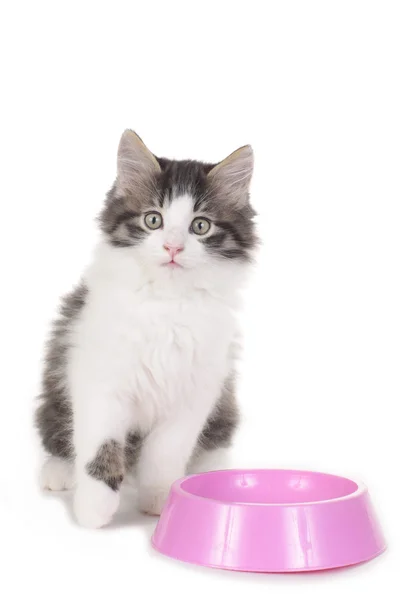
(222, 422)
(108, 465)
(132, 449)
(120, 217)
(53, 417)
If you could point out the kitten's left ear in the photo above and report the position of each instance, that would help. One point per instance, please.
(231, 177)
(136, 164)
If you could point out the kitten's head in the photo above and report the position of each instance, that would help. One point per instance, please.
(179, 215)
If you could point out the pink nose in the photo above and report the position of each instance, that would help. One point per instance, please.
(173, 250)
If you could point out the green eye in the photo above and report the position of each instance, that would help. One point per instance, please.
(200, 225)
(153, 220)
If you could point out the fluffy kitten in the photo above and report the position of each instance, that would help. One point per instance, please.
(139, 368)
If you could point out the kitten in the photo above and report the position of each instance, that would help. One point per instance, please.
(139, 368)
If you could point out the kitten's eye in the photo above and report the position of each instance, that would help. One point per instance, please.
(153, 220)
(200, 225)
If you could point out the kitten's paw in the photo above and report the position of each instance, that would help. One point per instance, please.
(94, 503)
(152, 499)
(57, 475)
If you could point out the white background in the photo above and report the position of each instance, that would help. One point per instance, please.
(314, 87)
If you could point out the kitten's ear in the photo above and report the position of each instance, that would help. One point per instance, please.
(231, 177)
(136, 164)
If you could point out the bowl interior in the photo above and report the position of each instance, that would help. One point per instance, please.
(268, 486)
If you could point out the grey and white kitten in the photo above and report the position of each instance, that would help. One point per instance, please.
(140, 364)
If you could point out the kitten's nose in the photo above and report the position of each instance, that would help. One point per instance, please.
(173, 250)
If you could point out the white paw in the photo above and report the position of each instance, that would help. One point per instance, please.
(95, 503)
(152, 499)
(57, 475)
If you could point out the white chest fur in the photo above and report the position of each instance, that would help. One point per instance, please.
(150, 349)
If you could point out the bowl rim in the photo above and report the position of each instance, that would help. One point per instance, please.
(177, 488)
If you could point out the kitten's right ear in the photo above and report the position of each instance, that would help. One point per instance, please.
(136, 164)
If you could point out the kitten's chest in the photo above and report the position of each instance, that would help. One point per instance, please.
(164, 348)
(184, 331)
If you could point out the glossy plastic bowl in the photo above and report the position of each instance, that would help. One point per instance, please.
(268, 521)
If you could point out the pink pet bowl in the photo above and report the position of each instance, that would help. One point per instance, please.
(268, 521)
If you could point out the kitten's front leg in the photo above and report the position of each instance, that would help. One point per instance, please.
(100, 426)
(165, 455)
